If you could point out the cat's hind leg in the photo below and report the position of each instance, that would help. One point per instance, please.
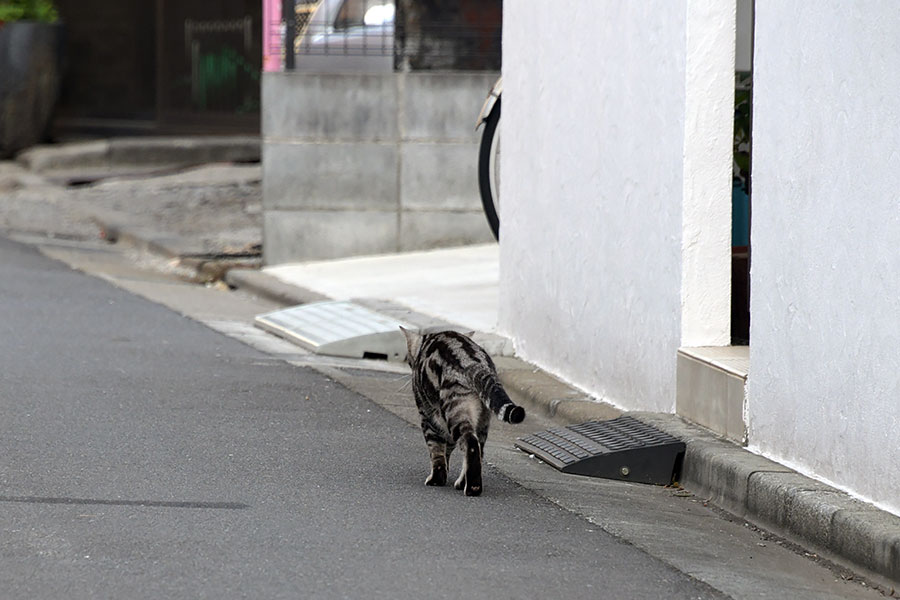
(438, 453)
(470, 475)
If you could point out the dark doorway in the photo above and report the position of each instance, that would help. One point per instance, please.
(131, 67)
(742, 185)
(109, 61)
(210, 55)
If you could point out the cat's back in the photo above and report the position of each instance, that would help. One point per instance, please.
(454, 350)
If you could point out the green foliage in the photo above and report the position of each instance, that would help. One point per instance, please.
(28, 10)
(218, 75)
(742, 119)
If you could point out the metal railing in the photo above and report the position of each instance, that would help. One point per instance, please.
(421, 38)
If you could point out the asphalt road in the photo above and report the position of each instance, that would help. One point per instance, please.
(143, 455)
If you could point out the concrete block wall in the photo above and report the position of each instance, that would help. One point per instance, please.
(370, 163)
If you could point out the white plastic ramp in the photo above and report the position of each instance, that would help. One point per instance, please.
(339, 328)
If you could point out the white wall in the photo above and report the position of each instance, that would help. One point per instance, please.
(824, 386)
(708, 172)
(594, 182)
(593, 107)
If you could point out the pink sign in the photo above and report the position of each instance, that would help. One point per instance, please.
(273, 36)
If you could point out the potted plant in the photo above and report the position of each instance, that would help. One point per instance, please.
(30, 71)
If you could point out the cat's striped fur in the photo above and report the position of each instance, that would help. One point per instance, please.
(456, 389)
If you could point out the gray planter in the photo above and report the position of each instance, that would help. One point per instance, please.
(30, 73)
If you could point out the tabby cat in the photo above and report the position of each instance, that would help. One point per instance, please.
(456, 388)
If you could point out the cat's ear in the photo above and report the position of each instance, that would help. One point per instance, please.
(413, 341)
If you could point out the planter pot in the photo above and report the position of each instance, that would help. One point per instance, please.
(30, 73)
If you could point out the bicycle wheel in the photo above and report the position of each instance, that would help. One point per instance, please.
(489, 168)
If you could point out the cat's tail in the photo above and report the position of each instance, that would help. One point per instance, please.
(497, 400)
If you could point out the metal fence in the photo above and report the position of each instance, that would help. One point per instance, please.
(384, 35)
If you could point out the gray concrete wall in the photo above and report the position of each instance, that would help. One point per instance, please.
(370, 163)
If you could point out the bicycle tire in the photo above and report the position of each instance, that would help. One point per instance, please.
(488, 199)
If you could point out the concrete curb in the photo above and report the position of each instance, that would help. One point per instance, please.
(811, 513)
(814, 515)
(206, 269)
(118, 234)
(269, 288)
(142, 151)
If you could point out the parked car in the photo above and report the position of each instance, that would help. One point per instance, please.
(347, 35)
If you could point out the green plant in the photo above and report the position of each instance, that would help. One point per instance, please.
(27, 10)
(742, 118)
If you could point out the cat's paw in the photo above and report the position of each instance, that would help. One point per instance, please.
(437, 477)
(473, 490)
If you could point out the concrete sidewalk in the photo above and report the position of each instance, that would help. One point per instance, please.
(197, 202)
(458, 285)
(194, 216)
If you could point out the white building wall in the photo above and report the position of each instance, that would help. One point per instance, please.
(708, 172)
(824, 385)
(594, 181)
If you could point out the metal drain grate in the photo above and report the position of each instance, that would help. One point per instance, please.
(623, 448)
